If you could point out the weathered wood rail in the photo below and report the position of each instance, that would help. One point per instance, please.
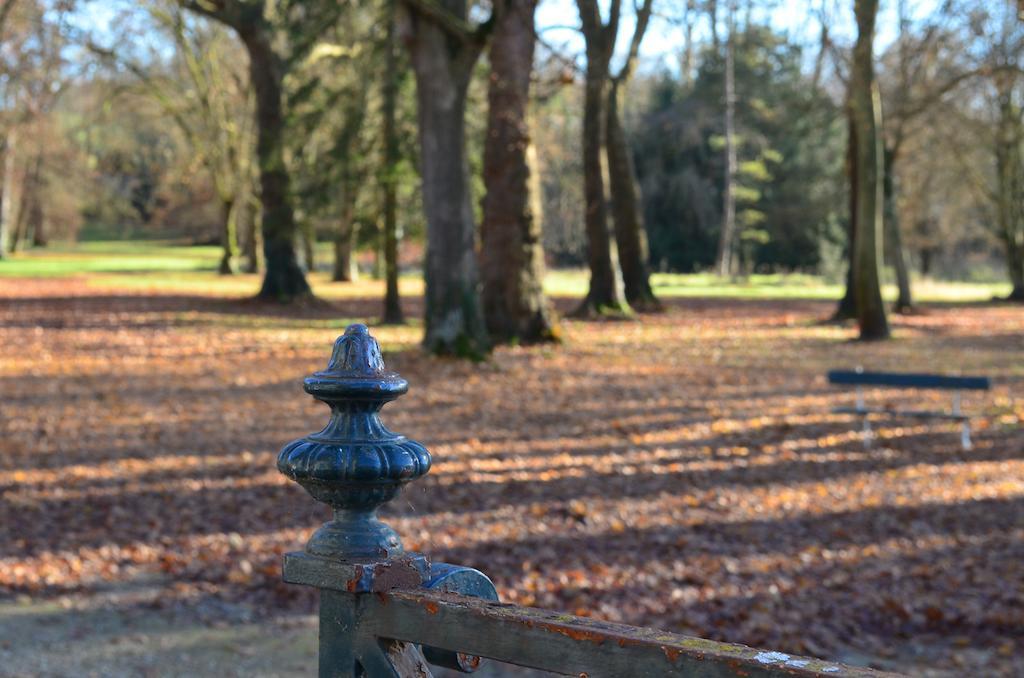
(386, 612)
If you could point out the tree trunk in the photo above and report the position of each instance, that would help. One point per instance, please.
(345, 269)
(686, 59)
(30, 210)
(392, 154)
(1015, 263)
(905, 301)
(228, 237)
(630, 234)
(251, 251)
(307, 242)
(283, 279)
(454, 323)
(605, 293)
(847, 308)
(727, 237)
(7, 206)
(712, 8)
(37, 222)
(926, 261)
(1009, 181)
(511, 256)
(28, 200)
(865, 102)
(21, 214)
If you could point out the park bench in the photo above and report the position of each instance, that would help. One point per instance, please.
(905, 380)
(388, 612)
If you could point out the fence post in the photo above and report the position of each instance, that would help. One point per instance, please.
(356, 465)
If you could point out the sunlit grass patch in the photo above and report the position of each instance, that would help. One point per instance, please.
(173, 268)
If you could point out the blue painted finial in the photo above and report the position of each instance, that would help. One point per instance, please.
(355, 465)
(356, 353)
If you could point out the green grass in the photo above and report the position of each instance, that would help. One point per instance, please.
(129, 257)
(573, 283)
(191, 269)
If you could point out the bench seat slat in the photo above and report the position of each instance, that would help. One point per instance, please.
(921, 414)
(908, 380)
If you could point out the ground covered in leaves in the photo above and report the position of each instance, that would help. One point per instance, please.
(683, 471)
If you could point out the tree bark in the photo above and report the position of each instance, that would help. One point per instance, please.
(627, 214)
(864, 100)
(605, 293)
(283, 280)
(392, 155)
(511, 255)
(443, 65)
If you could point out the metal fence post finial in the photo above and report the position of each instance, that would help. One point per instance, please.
(355, 465)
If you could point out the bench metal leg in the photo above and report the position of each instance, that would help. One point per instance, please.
(965, 428)
(965, 435)
(867, 435)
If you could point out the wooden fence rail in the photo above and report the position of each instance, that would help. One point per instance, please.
(386, 612)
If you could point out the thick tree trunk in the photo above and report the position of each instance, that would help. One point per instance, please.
(847, 308)
(864, 100)
(725, 262)
(454, 323)
(630, 234)
(283, 279)
(904, 301)
(605, 293)
(511, 256)
(392, 154)
(228, 237)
